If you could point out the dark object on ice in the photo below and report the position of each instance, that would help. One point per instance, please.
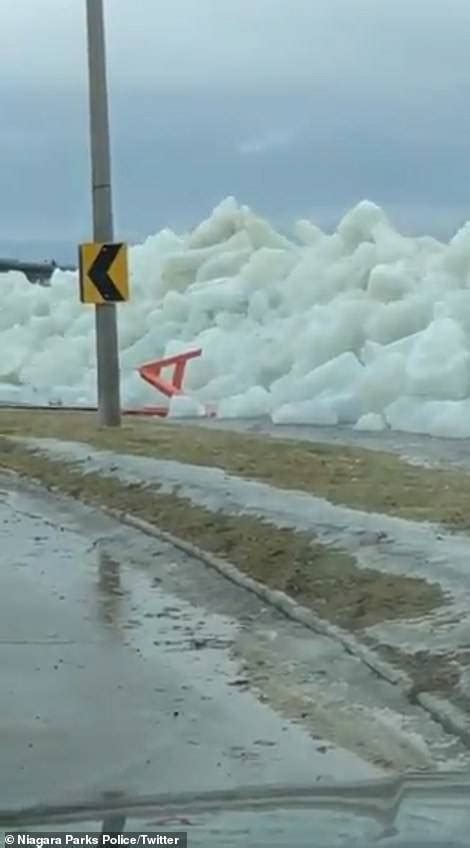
(35, 272)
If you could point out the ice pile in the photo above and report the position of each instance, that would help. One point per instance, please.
(363, 327)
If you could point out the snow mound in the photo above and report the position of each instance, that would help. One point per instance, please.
(363, 327)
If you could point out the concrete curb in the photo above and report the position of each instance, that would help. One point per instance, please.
(275, 598)
(450, 718)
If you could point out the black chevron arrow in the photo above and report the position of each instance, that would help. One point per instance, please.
(99, 272)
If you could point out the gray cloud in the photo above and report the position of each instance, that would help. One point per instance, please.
(213, 42)
(296, 106)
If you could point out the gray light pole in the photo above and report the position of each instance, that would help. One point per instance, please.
(107, 353)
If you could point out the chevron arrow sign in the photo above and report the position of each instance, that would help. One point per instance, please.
(104, 276)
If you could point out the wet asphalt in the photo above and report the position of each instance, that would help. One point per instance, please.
(109, 683)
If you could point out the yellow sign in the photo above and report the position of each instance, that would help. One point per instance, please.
(104, 275)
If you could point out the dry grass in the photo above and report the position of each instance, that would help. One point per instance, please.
(325, 579)
(352, 476)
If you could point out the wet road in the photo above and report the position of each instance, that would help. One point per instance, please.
(109, 682)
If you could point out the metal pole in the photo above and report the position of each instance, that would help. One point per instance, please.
(107, 350)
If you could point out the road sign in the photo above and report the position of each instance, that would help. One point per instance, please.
(104, 276)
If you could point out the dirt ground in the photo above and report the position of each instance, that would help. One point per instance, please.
(323, 578)
(355, 477)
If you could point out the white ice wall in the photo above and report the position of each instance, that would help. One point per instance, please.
(364, 326)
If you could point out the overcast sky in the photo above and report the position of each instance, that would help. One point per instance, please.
(297, 107)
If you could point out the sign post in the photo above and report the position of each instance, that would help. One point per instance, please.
(107, 352)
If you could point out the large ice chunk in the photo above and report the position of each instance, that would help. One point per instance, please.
(439, 363)
(183, 406)
(383, 380)
(339, 376)
(318, 412)
(254, 403)
(447, 419)
(372, 422)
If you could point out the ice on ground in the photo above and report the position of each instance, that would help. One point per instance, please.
(182, 406)
(306, 412)
(254, 403)
(363, 326)
(447, 419)
(372, 423)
